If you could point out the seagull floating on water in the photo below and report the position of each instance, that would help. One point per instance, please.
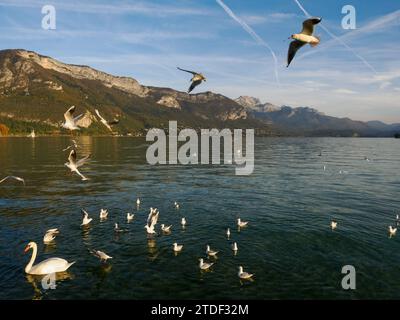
(241, 223)
(118, 229)
(73, 165)
(50, 235)
(244, 275)
(235, 247)
(302, 38)
(13, 177)
(205, 265)
(166, 229)
(210, 252)
(101, 255)
(177, 248)
(71, 122)
(152, 220)
(129, 216)
(86, 220)
(228, 232)
(138, 202)
(333, 224)
(197, 79)
(392, 231)
(103, 214)
(183, 222)
(176, 204)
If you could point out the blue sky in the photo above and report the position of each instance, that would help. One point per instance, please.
(355, 75)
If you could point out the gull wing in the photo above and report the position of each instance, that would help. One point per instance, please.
(13, 177)
(82, 161)
(293, 48)
(84, 213)
(103, 121)
(69, 115)
(154, 220)
(194, 85)
(192, 72)
(308, 26)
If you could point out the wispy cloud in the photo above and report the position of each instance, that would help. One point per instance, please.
(144, 8)
(274, 17)
(365, 62)
(253, 34)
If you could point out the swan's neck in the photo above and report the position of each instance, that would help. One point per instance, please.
(30, 264)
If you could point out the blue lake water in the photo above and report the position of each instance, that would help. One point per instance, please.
(289, 202)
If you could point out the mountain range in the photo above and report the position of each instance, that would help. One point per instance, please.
(36, 90)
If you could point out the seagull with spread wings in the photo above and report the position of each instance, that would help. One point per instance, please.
(108, 124)
(152, 220)
(197, 79)
(71, 122)
(304, 37)
(73, 165)
(13, 177)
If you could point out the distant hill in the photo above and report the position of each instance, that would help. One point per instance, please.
(305, 121)
(36, 90)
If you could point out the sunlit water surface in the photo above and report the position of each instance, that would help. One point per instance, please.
(289, 201)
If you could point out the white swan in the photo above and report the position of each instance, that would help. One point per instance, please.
(103, 214)
(51, 265)
(241, 223)
(178, 248)
(129, 216)
(244, 275)
(210, 252)
(50, 235)
(205, 265)
(86, 220)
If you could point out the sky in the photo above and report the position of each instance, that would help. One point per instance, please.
(240, 45)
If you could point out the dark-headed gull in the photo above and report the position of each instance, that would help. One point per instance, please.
(197, 79)
(86, 220)
(205, 265)
(101, 255)
(70, 121)
(302, 38)
(244, 275)
(50, 235)
(152, 220)
(73, 165)
(106, 123)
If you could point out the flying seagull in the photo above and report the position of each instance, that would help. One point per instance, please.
(302, 38)
(108, 124)
(73, 165)
(13, 177)
(197, 79)
(152, 220)
(70, 121)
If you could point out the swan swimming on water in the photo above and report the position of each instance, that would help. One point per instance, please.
(51, 265)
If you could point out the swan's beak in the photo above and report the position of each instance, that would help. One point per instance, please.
(26, 249)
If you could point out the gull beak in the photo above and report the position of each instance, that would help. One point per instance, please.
(26, 249)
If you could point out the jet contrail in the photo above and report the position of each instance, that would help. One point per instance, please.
(338, 39)
(253, 34)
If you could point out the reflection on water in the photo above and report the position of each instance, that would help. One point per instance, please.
(289, 202)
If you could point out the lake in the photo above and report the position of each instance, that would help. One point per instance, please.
(289, 201)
